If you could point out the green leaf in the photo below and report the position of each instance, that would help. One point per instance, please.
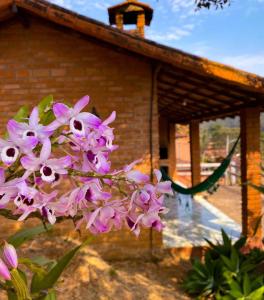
(45, 105)
(50, 296)
(257, 294)
(20, 286)
(240, 242)
(258, 223)
(47, 282)
(226, 239)
(11, 295)
(22, 114)
(32, 266)
(246, 285)
(27, 234)
(234, 260)
(43, 261)
(46, 115)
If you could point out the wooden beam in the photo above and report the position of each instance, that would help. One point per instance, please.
(206, 86)
(179, 103)
(219, 114)
(210, 83)
(195, 91)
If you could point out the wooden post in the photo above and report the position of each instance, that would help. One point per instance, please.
(195, 152)
(250, 169)
(172, 151)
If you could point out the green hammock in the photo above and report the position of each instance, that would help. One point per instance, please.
(209, 182)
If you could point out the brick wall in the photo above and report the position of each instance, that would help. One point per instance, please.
(47, 59)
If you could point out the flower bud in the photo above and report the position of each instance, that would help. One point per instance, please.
(10, 256)
(4, 272)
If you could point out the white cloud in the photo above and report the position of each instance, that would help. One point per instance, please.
(172, 34)
(178, 5)
(252, 63)
(64, 3)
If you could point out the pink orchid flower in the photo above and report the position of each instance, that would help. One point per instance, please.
(48, 167)
(8, 190)
(22, 131)
(11, 149)
(65, 114)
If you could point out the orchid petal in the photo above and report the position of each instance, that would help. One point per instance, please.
(80, 105)
(29, 163)
(2, 175)
(90, 119)
(4, 272)
(62, 112)
(137, 176)
(164, 187)
(93, 217)
(110, 119)
(34, 118)
(158, 174)
(106, 213)
(45, 151)
(131, 166)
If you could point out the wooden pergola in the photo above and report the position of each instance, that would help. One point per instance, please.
(187, 89)
(185, 97)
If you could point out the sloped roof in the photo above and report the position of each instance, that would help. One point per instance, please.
(189, 87)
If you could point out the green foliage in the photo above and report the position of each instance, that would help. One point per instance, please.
(27, 234)
(46, 115)
(22, 114)
(45, 281)
(45, 273)
(227, 273)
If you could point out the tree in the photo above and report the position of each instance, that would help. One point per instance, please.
(212, 3)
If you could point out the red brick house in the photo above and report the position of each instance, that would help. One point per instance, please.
(46, 49)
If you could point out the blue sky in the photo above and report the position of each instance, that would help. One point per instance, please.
(233, 36)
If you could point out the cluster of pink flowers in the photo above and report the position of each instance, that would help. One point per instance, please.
(101, 198)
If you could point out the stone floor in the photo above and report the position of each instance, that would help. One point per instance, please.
(189, 221)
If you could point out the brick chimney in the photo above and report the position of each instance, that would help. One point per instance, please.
(131, 12)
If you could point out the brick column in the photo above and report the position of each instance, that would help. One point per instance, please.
(195, 152)
(172, 151)
(250, 168)
(141, 24)
(119, 21)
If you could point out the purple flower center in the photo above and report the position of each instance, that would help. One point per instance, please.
(88, 195)
(130, 223)
(28, 202)
(47, 171)
(154, 224)
(10, 152)
(30, 133)
(90, 156)
(77, 125)
(57, 177)
(101, 141)
(44, 212)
